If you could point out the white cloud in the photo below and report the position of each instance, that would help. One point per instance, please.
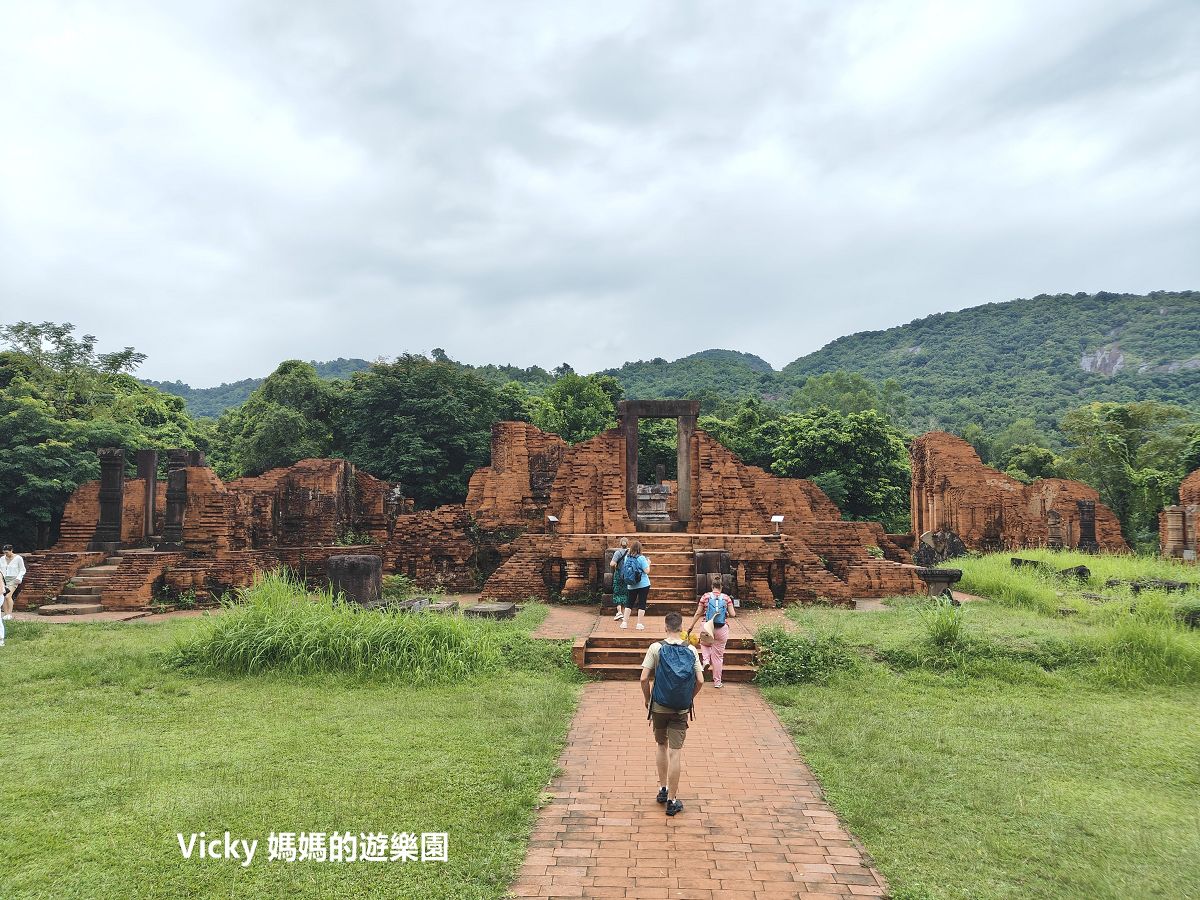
(225, 185)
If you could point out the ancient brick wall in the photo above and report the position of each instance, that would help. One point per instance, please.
(730, 497)
(952, 488)
(588, 495)
(132, 585)
(79, 519)
(434, 547)
(514, 490)
(1189, 490)
(48, 573)
(1179, 525)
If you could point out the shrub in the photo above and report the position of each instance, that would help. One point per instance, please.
(278, 626)
(944, 628)
(792, 658)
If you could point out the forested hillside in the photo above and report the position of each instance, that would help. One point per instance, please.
(1035, 358)
(211, 402)
(988, 365)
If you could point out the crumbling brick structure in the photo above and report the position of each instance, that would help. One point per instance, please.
(536, 522)
(988, 510)
(1179, 526)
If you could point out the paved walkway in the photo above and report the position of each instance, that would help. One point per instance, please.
(755, 825)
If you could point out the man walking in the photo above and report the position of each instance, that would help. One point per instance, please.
(675, 669)
(12, 569)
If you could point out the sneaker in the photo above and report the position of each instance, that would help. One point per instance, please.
(662, 795)
(617, 617)
(7, 616)
(717, 684)
(674, 807)
(640, 626)
(624, 624)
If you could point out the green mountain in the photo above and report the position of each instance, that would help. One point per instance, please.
(213, 401)
(1035, 358)
(710, 374)
(988, 365)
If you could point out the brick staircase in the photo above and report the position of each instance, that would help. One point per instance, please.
(82, 593)
(672, 574)
(619, 657)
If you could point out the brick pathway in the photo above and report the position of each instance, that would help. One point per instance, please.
(566, 622)
(754, 826)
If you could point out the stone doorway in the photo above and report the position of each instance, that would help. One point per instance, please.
(685, 413)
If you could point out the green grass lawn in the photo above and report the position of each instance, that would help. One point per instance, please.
(108, 752)
(1037, 756)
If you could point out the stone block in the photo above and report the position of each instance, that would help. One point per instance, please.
(358, 577)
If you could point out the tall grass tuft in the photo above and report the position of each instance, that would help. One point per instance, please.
(277, 625)
(793, 658)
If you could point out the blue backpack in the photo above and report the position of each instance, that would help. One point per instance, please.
(675, 677)
(631, 570)
(715, 609)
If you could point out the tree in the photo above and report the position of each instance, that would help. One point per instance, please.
(60, 401)
(425, 425)
(288, 418)
(1130, 453)
(860, 456)
(1027, 463)
(576, 407)
(844, 392)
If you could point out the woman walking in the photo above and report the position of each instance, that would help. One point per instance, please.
(636, 570)
(715, 607)
(620, 589)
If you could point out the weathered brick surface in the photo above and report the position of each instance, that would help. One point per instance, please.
(1189, 490)
(138, 573)
(730, 497)
(47, 573)
(953, 489)
(588, 495)
(515, 489)
(296, 516)
(1179, 526)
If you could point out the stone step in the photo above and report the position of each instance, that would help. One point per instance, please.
(97, 571)
(84, 590)
(69, 609)
(608, 641)
(634, 656)
(632, 672)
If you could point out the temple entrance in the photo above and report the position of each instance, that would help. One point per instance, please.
(652, 507)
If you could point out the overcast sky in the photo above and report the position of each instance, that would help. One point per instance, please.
(226, 185)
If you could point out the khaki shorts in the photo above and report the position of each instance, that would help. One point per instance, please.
(670, 728)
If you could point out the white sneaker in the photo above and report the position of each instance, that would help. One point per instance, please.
(1, 643)
(624, 624)
(7, 617)
(641, 627)
(617, 617)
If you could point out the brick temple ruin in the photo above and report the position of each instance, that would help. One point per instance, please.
(1179, 525)
(538, 522)
(953, 491)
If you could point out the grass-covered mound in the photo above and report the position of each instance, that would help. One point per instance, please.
(277, 625)
(1004, 749)
(110, 750)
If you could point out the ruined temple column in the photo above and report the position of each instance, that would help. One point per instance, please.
(147, 471)
(629, 425)
(1173, 542)
(177, 463)
(112, 496)
(687, 428)
(1087, 526)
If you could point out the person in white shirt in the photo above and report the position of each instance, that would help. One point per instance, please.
(12, 568)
